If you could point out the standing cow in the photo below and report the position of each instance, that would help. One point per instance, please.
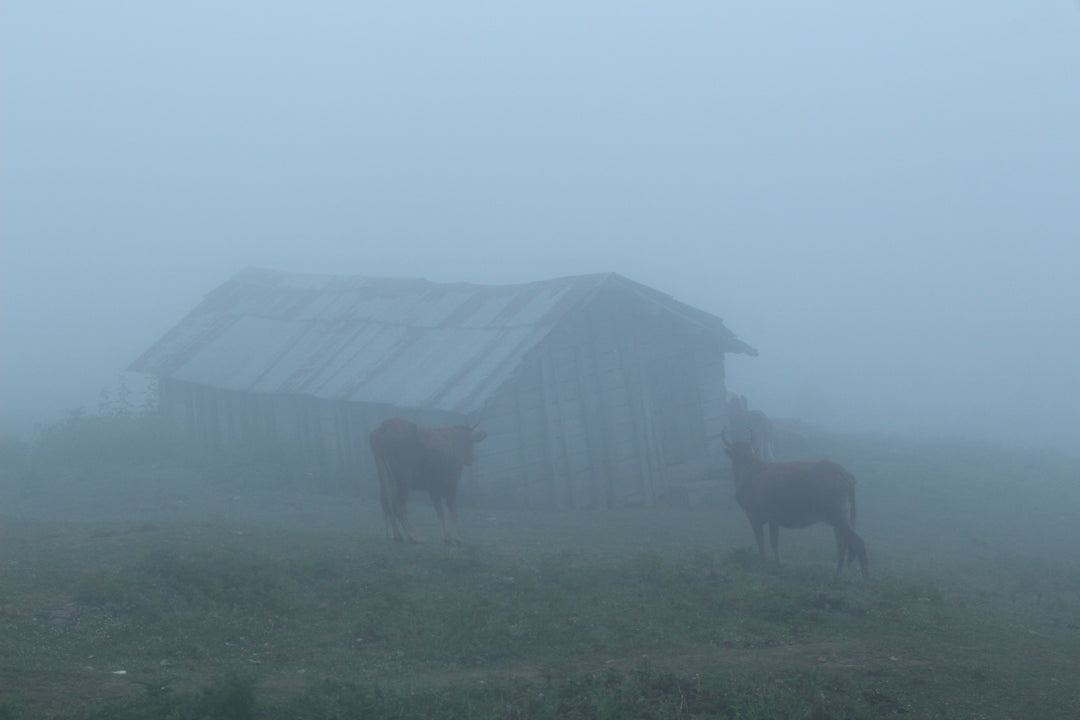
(796, 495)
(409, 457)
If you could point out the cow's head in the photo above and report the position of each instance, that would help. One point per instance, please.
(475, 436)
(740, 451)
(464, 439)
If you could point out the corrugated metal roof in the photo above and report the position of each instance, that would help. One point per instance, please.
(403, 342)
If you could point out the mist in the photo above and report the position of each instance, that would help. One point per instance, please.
(882, 200)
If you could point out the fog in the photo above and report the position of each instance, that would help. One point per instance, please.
(884, 199)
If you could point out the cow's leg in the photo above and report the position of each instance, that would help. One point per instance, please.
(380, 474)
(397, 512)
(451, 506)
(437, 501)
(402, 516)
(391, 524)
(386, 508)
(853, 548)
(387, 521)
(841, 547)
(759, 535)
(774, 540)
(857, 548)
(387, 501)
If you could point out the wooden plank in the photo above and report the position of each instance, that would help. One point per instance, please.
(603, 425)
(654, 454)
(560, 491)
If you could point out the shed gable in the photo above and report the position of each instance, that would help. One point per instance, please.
(411, 343)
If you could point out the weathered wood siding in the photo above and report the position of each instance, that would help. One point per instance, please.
(334, 434)
(612, 409)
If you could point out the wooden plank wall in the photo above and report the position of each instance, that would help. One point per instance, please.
(333, 433)
(611, 410)
(514, 463)
(712, 380)
(636, 393)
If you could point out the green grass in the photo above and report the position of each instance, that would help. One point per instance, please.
(221, 599)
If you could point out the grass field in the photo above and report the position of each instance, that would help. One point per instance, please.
(136, 587)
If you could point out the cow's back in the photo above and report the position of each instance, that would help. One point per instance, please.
(799, 493)
(394, 444)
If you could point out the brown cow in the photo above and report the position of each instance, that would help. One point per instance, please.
(409, 457)
(796, 495)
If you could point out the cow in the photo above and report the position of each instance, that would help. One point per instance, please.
(796, 495)
(410, 457)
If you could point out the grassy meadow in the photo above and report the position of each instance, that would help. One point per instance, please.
(143, 579)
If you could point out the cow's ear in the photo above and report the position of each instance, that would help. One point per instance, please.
(478, 435)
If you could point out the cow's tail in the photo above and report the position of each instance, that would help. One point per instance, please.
(851, 496)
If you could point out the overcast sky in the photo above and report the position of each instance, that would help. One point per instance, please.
(883, 198)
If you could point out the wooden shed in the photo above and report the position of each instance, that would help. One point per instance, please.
(595, 390)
